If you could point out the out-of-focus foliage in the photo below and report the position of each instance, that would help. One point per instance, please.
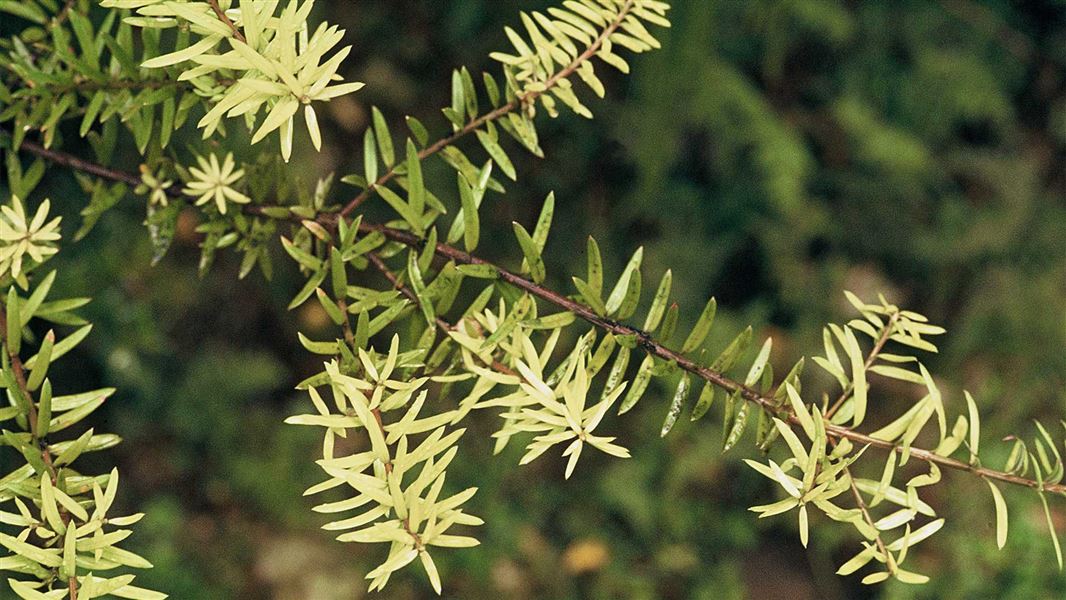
(805, 147)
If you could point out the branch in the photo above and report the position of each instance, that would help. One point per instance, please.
(870, 358)
(655, 348)
(498, 113)
(647, 343)
(221, 14)
(85, 166)
(410, 295)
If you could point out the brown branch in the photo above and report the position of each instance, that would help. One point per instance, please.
(584, 312)
(85, 166)
(653, 347)
(221, 14)
(864, 509)
(410, 295)
(92, 85)
(499, 112)
(20, 378)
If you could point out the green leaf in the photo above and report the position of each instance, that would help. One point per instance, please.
(26, 10)
(631, 301)
(732, 352)
(531, 252)
(640, 383)
(301, 256)
(544, 222)
(416, 191)
(617, 372)
(975, 429)
(702, 328)
(63, 346)
(760, 363)
(471, 220)
(44, 409)
(75, 415)
(858, 376)
(658, 303)
(31, 305)
(370, 157)
(316, 278)
(669, 323)
(332, 310)
(704, 402)
(183, 54)
(1051, 530)
(314, 347)
(480, 271)
(405, 210)
(419, 287)
(589, 295)
(1001, 515)
(492, 89)
(47, 558)
(384, 138)
(40, 368)
(595, 267)
(14, 323)
(418, 130)
(338, 273)
(498, 155)
(614, 300)
(680, 395)
(458, 99)
(739, 424)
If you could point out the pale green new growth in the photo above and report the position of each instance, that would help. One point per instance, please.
(272, 62)
(22, 237)
(213, 182)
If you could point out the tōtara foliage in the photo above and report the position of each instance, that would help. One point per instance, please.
(408, 360)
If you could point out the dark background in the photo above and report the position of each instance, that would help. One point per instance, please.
(773, 154)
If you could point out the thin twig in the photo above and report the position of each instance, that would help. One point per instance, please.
(861, 503)
(651, 346)
(870, 358)
(78, 164)
(64, 13)
(443, 325)
(646, 342)
(221, 14)
(498, 113)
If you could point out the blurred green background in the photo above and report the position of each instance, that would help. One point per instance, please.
(773, 154)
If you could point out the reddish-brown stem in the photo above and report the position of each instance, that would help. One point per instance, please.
(584, 312)
(85, 166)
(221, 14)
(443, 325)
(650, 345)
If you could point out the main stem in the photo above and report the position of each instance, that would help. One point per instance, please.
(647, 343)
(655, 348)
